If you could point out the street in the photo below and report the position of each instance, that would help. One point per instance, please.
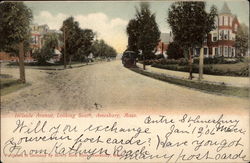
(109, 86)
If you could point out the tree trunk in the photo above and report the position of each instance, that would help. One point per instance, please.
(21, 63)
(201, 63)
(70, 58)
(64, 56)
(190, 63)
(144, 66)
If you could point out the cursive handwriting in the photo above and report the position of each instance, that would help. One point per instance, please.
(158, 138)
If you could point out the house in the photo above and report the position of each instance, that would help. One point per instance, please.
(7, 57)
(38, 37)
(221, 41)
(165, 39)
(37, 41)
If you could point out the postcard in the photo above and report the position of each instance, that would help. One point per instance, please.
(125, 81)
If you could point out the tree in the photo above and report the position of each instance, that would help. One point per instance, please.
(190, 24)
(149, 34)
(241, 40)
(174, 51)
(133, 32)
(103, 50)
(47, 51)
(143, 32)
(70, 30)
(15, 19)
(13, 49)
(85, 41)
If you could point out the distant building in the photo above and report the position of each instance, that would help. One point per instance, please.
(38, 36)
(37, 41)
(7, 57)
(165, 39)
(221, 41)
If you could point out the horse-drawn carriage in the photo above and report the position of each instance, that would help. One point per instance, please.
(129, 59)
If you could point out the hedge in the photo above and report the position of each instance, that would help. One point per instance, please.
(208, 69)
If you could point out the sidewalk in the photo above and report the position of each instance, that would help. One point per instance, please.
(213, 79)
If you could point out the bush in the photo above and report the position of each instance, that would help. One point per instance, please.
(147, 62)
(219, 60)
(171, 61)
(183, 62)
(160, 56)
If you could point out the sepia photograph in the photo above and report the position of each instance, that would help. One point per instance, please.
(125, 81)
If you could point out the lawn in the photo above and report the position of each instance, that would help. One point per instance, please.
(236, 69)
(9, 85)
(233, 67)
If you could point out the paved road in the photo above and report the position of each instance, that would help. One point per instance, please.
(109, 86)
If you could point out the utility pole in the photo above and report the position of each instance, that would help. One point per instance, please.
(162, 47)
(201, 63)
(64, 56)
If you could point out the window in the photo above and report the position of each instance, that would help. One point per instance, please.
(197, 52)
(229, 52)
(225, 51)
(220, 20)
(221, 51)
(226, 35)
(225, 20)
(233, 52)
(216, 51)
(221, 34)
(205, 51)
(214, 37)
(229, 35)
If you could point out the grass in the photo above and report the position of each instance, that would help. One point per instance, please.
(236, 69)
(9, 85)
(50, 66)
(199, 85)
(232, 67)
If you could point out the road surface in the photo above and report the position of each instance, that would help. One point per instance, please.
(109, 86)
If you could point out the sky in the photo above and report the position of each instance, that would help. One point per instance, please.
(110, 18)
